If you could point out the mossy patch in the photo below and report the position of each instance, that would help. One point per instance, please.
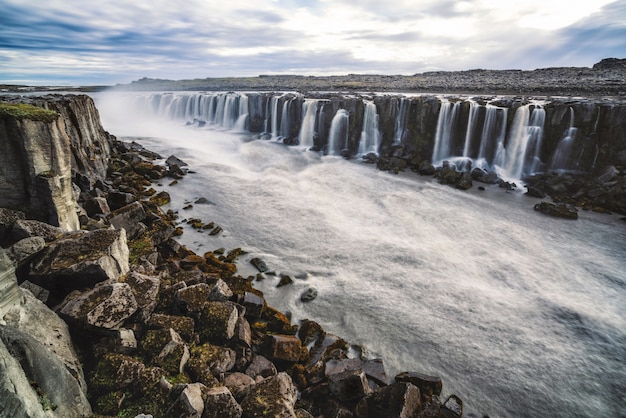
(22, 111)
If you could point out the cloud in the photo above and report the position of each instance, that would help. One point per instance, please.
(74, 41)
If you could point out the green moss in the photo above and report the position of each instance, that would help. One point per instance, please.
(139, 248)
(22, 111)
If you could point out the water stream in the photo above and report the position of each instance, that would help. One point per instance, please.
(519, 313)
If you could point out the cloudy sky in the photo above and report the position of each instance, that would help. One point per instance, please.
(86, 42)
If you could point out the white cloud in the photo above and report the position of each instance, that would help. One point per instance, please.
(199, 38)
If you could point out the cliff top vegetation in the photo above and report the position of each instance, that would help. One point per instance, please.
(22, 111)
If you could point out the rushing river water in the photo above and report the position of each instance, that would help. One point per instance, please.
(520, 314)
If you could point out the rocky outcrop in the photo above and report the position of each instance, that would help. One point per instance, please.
(42, 155)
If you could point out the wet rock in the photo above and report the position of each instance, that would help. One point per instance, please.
(8, 218)
(464, 181)
(452, 407)
(349, 385)
(560, 210)
(425, 168)
(80, 260)
(373, 368)
(309, 294)
(284, 280)
(217, 321)
(161, 198)
(173, 161)
(533, 191)
(310, 332)
(105, 306)
(254, 304)
(428, 385)
(274, 397)
(243, 333)
(259, 264)
(400, 399)
(220, 403)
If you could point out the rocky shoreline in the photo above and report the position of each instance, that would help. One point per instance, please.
(149, 327)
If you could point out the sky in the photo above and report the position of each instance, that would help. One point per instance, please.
(106, 42)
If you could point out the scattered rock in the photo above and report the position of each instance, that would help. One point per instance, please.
(259, 264)
(309, 294)
(560, 210)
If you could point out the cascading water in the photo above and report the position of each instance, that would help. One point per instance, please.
(241, 124)
(338, 135)
(521, 156)
(274, 103)
(370, 135)
(493, 134)
(564, 279)
(307, 130)
(560, 159)
(445, 126)
(471, 123)
(402, 110)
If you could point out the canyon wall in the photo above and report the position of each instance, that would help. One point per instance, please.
(42, 156)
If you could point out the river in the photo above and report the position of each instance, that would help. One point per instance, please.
(521, 314)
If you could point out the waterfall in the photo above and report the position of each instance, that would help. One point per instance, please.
(370, 135)
(338, 135)
(443, 135)
(564, 148)
(471, 123)
(274, 104)
(493, 134)
(521, 156)
(307, 129)
(402, 111)
(242, 120)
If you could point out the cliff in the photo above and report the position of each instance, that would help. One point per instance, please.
(42, 152)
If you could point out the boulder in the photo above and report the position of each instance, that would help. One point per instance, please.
(80, 260)
(189, 403)
(119, 199)
(220, 403)
(21, 252)
(239, 384)
(26, 364)
(183, 325)
(216, 322)
(175, 162)
(10, 291)
(254, 304)
(399, 400)
(349, 385)
(8, 218)
(309, 294)
(426, 168)
(274, 397)
(284, 347)
(560, 210)
(220, 291)
(96, 206)
(452, 407)
(114, 372)
(106, 306)
(26, 228)
(428, 385)
(208, 359)
(260, 366)
(129, 217)
(191, 299)
(259, 264)
(464, 181)
(533, 191)
(146, 290)
(373, 368)
(243, 333)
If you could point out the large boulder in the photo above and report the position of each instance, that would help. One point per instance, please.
(26, 228)
(129, 217)
(399, 400)
(216, 322)
(34, 381)
(208, 359)
(273, 397)
(9, 290)
(220, 403)
(106, 306)
(559, 210)
(24, 249)
(79, 260)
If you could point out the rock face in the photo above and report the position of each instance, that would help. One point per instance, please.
(39, 157)
(9, 290)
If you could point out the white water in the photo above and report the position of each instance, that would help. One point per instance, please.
(564, 148)
(520, 314)
(307, 131)
(370, 135)
(338, 134)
